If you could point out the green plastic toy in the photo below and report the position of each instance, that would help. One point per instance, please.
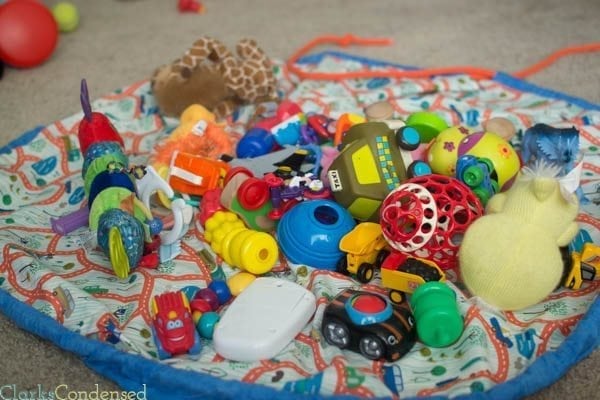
(428, 124)
(438, 319)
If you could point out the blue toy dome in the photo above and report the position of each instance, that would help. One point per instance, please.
(311, 231)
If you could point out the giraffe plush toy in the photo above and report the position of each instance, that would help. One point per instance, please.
(210, 75)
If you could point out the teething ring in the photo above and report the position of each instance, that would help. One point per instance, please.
(408, 217)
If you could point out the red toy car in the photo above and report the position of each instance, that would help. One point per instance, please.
(173, 328)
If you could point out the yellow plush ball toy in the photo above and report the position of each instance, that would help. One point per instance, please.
(511, 257)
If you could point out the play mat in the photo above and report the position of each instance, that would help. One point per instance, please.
(64, 290)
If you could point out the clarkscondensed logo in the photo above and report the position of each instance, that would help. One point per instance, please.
(64, 392)
(334, 180)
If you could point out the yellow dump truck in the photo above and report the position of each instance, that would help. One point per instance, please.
(365, 249)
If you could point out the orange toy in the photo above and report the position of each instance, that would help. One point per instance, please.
(195, 175)
(198, 137)
(197, 134)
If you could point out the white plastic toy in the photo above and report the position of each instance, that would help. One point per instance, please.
(263, 320)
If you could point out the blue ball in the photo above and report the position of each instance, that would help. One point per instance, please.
(221, 290)
(206, 325)
(155, 225)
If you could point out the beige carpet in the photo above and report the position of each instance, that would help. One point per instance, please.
(120, 42)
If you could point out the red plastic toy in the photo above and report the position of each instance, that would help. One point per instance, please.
(191, 6)
(94, 126)
(173, 328)
(428, 216)
(28, 33)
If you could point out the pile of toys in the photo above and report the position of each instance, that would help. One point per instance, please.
(367, 196)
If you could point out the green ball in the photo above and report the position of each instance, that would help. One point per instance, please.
(66, 16)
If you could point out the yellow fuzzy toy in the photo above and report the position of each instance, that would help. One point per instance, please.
(510, 257)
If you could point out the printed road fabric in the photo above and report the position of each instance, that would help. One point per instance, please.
(70, 281)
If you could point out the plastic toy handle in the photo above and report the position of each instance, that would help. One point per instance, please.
(68, 223)
(150, 183)
(178, 207)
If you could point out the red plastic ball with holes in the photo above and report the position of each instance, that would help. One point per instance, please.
(28, 33)
(428, 215)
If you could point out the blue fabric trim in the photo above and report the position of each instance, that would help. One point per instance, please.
(318, 57)
(525, 86)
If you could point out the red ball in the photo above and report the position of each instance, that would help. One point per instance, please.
(409, 223)
(209, 296)
(28, 33)
(201, 305)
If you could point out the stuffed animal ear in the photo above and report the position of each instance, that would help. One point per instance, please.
(257, 66)
(247, 49)
(203, 50)
(217, 52)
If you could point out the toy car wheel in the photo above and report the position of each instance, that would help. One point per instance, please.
(418, 168)
(365, 273)
(381, 256)
(472, 176)
(371, 347)
(397, 297)
(197, 346)
(342, 266)
(160, 351)
(408, 138)
(336, 333)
